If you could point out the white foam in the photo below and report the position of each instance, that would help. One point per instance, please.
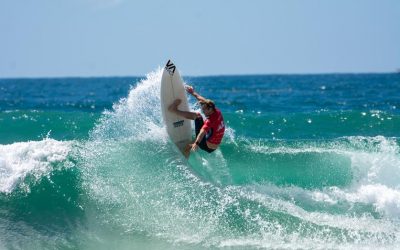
(376, 175)
(284, 199)
(136, 117)
(385, 200)
(19, 159)
(344, 145)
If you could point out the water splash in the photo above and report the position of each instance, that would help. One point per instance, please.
(34, 158)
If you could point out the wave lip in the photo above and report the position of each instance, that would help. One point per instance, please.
(33, 158)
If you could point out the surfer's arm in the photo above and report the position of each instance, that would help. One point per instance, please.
(191, 91)
(199, 138)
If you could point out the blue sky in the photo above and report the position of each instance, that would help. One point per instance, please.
(51, 38)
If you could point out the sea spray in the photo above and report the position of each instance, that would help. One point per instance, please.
(151, 183)
(138, 116)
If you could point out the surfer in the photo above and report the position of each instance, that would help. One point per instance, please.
(209, 133)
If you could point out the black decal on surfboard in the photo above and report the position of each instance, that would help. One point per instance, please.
(178, 123)
(170, 67)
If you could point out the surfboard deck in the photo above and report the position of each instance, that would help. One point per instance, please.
(179, 129)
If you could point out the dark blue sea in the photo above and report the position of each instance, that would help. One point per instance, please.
(307, 162)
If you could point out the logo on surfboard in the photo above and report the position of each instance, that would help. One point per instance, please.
(170, 67)
(178, 123)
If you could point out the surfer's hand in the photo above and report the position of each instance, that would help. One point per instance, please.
(194, 147)
(189, 89)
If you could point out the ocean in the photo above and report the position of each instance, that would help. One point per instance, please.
(307, 162)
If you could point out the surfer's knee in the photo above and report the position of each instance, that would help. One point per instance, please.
(194, 115)
(174, 106)
(190, 115)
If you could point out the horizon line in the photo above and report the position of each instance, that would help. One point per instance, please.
(211, 75)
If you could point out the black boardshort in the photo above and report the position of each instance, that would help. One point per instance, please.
(198, 123)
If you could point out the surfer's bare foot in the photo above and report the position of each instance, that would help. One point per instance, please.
(174, 106)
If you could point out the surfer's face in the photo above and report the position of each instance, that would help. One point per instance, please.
(206, 109)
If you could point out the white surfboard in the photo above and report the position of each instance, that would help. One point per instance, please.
(179, 129)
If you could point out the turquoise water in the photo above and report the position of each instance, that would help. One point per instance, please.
(308, 162)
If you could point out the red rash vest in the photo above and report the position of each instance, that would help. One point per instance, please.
(214, 127)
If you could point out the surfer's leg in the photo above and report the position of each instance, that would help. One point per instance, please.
(186, 152)
(186, 114)
(198, 123)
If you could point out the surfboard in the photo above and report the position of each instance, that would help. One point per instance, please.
(179, 129)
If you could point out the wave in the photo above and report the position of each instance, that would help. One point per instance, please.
(355, 169)
(34, 159)
(274, 194)
(40, 196)
(130, 182)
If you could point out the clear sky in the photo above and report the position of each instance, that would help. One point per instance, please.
(48, 38)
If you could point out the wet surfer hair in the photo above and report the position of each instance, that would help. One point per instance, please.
(209, 103)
